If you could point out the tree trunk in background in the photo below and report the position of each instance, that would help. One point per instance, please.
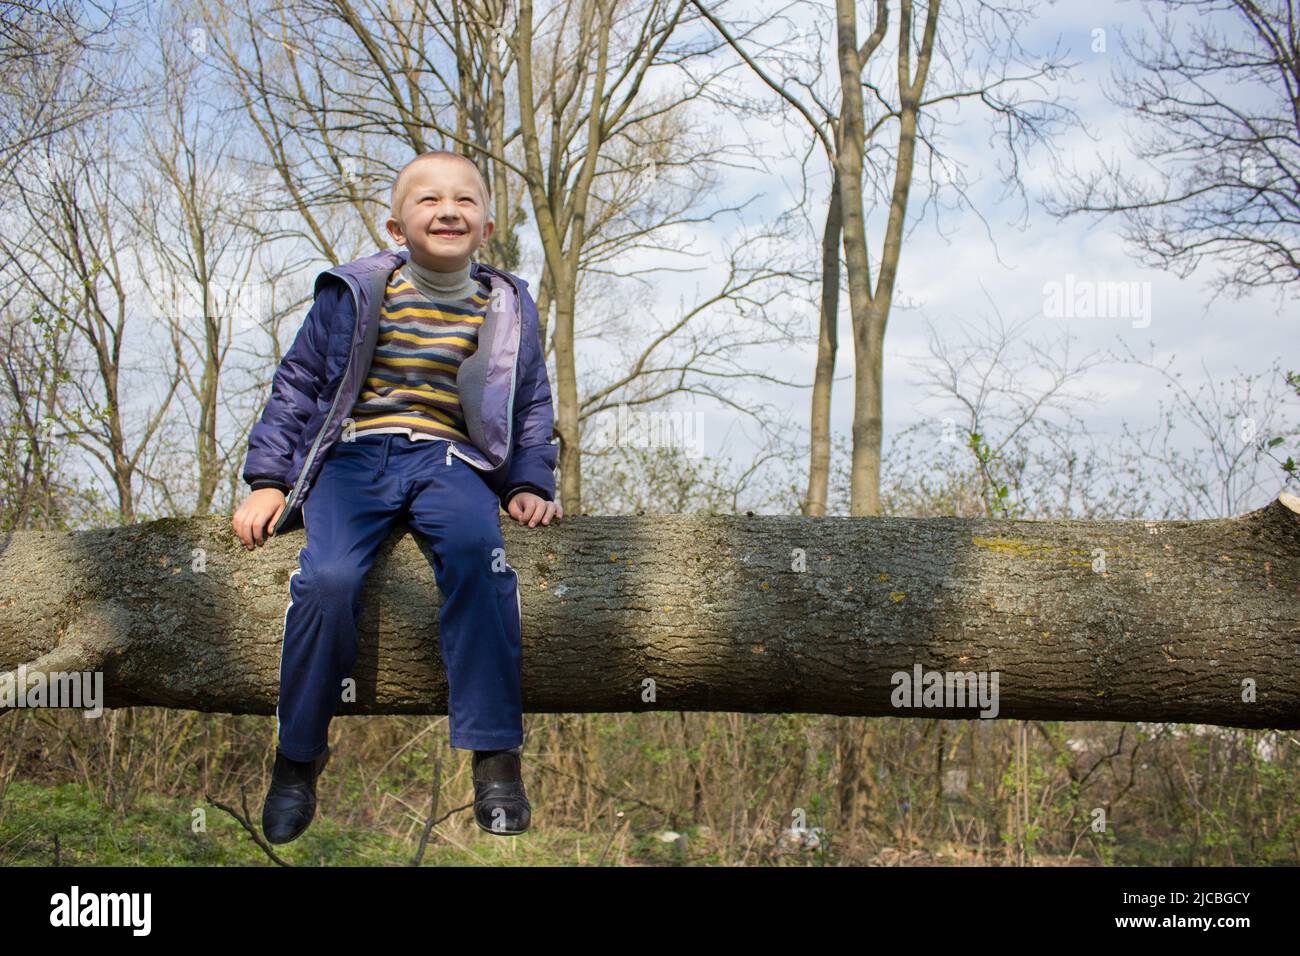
(870, 306)
(819, 456)
(1082, 620)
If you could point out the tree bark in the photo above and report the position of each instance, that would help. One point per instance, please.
(1082, 620)
(828, 344)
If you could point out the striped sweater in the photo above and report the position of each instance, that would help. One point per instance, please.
(411, 386)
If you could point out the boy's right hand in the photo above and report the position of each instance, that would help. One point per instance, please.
(259, 508)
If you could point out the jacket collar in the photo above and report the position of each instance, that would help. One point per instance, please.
(356, 273)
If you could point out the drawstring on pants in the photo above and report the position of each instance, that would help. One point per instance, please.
(383, 457)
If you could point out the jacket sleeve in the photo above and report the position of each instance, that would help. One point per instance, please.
(294, 389)
(534, 455)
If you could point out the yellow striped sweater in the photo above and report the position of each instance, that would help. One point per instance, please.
(411, 385)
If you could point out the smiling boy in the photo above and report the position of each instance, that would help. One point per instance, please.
(417, 389)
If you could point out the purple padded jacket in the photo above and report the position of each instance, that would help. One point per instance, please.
(504, 391)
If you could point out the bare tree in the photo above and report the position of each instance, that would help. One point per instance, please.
(71, 255)
(789, 56)
(200, 239)
(851, 135)
(49, 82)
(1003, 402)
(1223, 429)
(1217, 92)
(36, 490)
(321, 116)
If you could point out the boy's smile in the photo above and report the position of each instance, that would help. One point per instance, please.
(443, 215)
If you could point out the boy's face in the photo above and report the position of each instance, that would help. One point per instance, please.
(443, 219)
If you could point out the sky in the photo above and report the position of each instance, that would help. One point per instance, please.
(968, 266)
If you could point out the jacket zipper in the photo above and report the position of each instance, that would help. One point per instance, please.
(306, 465)
(510, 402)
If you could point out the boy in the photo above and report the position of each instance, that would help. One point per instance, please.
(416, 388)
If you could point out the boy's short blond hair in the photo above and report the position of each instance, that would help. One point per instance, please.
(400, 184)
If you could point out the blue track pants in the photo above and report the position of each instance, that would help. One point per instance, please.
(363, 487)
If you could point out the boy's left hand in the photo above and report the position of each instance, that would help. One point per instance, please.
(531, 508)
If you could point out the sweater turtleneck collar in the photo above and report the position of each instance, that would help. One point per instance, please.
(444, 286)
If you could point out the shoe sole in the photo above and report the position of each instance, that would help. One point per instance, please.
(292, 838)
(502, 832)
(480, 825)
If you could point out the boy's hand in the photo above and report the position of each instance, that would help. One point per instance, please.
(259, 508)
(532, 508)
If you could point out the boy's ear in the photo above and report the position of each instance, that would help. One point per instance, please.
(395, 230)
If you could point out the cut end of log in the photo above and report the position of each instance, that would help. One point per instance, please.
(1290, 501)
(101, 629)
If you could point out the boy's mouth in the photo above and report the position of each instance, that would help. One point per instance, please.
(448, 233)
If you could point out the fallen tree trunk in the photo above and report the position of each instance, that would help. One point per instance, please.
(1191, 621)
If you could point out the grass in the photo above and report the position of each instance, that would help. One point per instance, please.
(160, 831)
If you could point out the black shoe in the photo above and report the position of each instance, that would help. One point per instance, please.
(500, 805)
(291, 802)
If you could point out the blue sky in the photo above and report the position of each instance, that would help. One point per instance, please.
(966, 271)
